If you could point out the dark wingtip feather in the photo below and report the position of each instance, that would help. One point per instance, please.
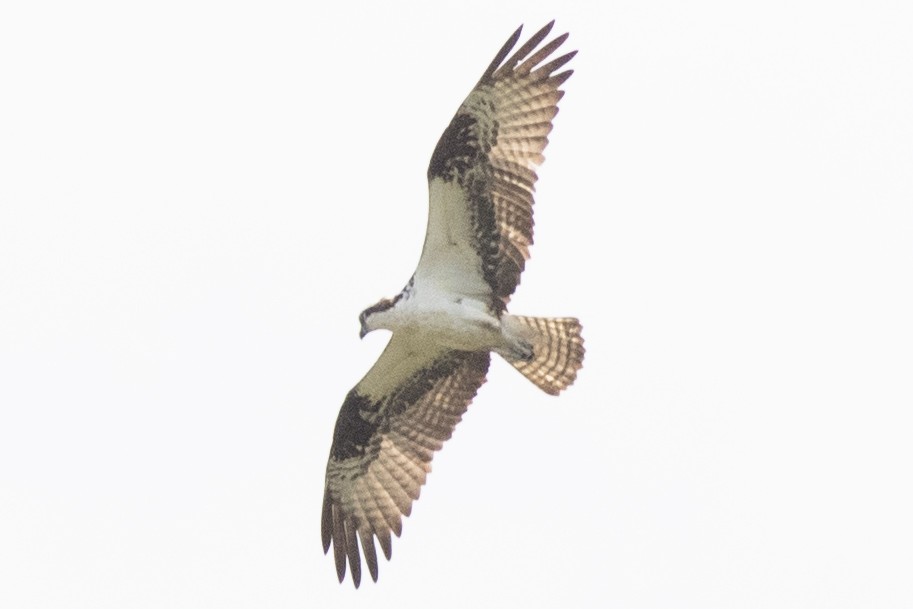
(352, 551)
(559, 78)
(524, 50)
(553, 65)
(367, 545)
(384, 538)
(502, 53)
(326, 522)
(339, 545)
(533, 60)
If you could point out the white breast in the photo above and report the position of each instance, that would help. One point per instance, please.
(457, 322)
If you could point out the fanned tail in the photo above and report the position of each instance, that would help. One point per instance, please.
(557, 350)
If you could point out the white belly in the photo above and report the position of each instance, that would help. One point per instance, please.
(456, 323)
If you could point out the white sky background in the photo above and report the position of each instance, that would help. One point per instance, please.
(197, 199)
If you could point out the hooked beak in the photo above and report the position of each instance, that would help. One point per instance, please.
(362, 332)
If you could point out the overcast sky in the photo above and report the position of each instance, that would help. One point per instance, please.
(198, 198)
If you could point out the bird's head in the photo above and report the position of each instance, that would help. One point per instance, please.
(372, 317)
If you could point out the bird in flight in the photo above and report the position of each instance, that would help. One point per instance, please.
(453, 311)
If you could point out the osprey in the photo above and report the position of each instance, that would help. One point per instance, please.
(453, 311)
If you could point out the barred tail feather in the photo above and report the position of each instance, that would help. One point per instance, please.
(557, 350)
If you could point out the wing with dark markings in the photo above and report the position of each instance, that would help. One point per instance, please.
(482, 173)
(388, 429)
(480, 227)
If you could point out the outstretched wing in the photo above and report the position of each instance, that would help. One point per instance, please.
(388, 429)
(483, 171)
